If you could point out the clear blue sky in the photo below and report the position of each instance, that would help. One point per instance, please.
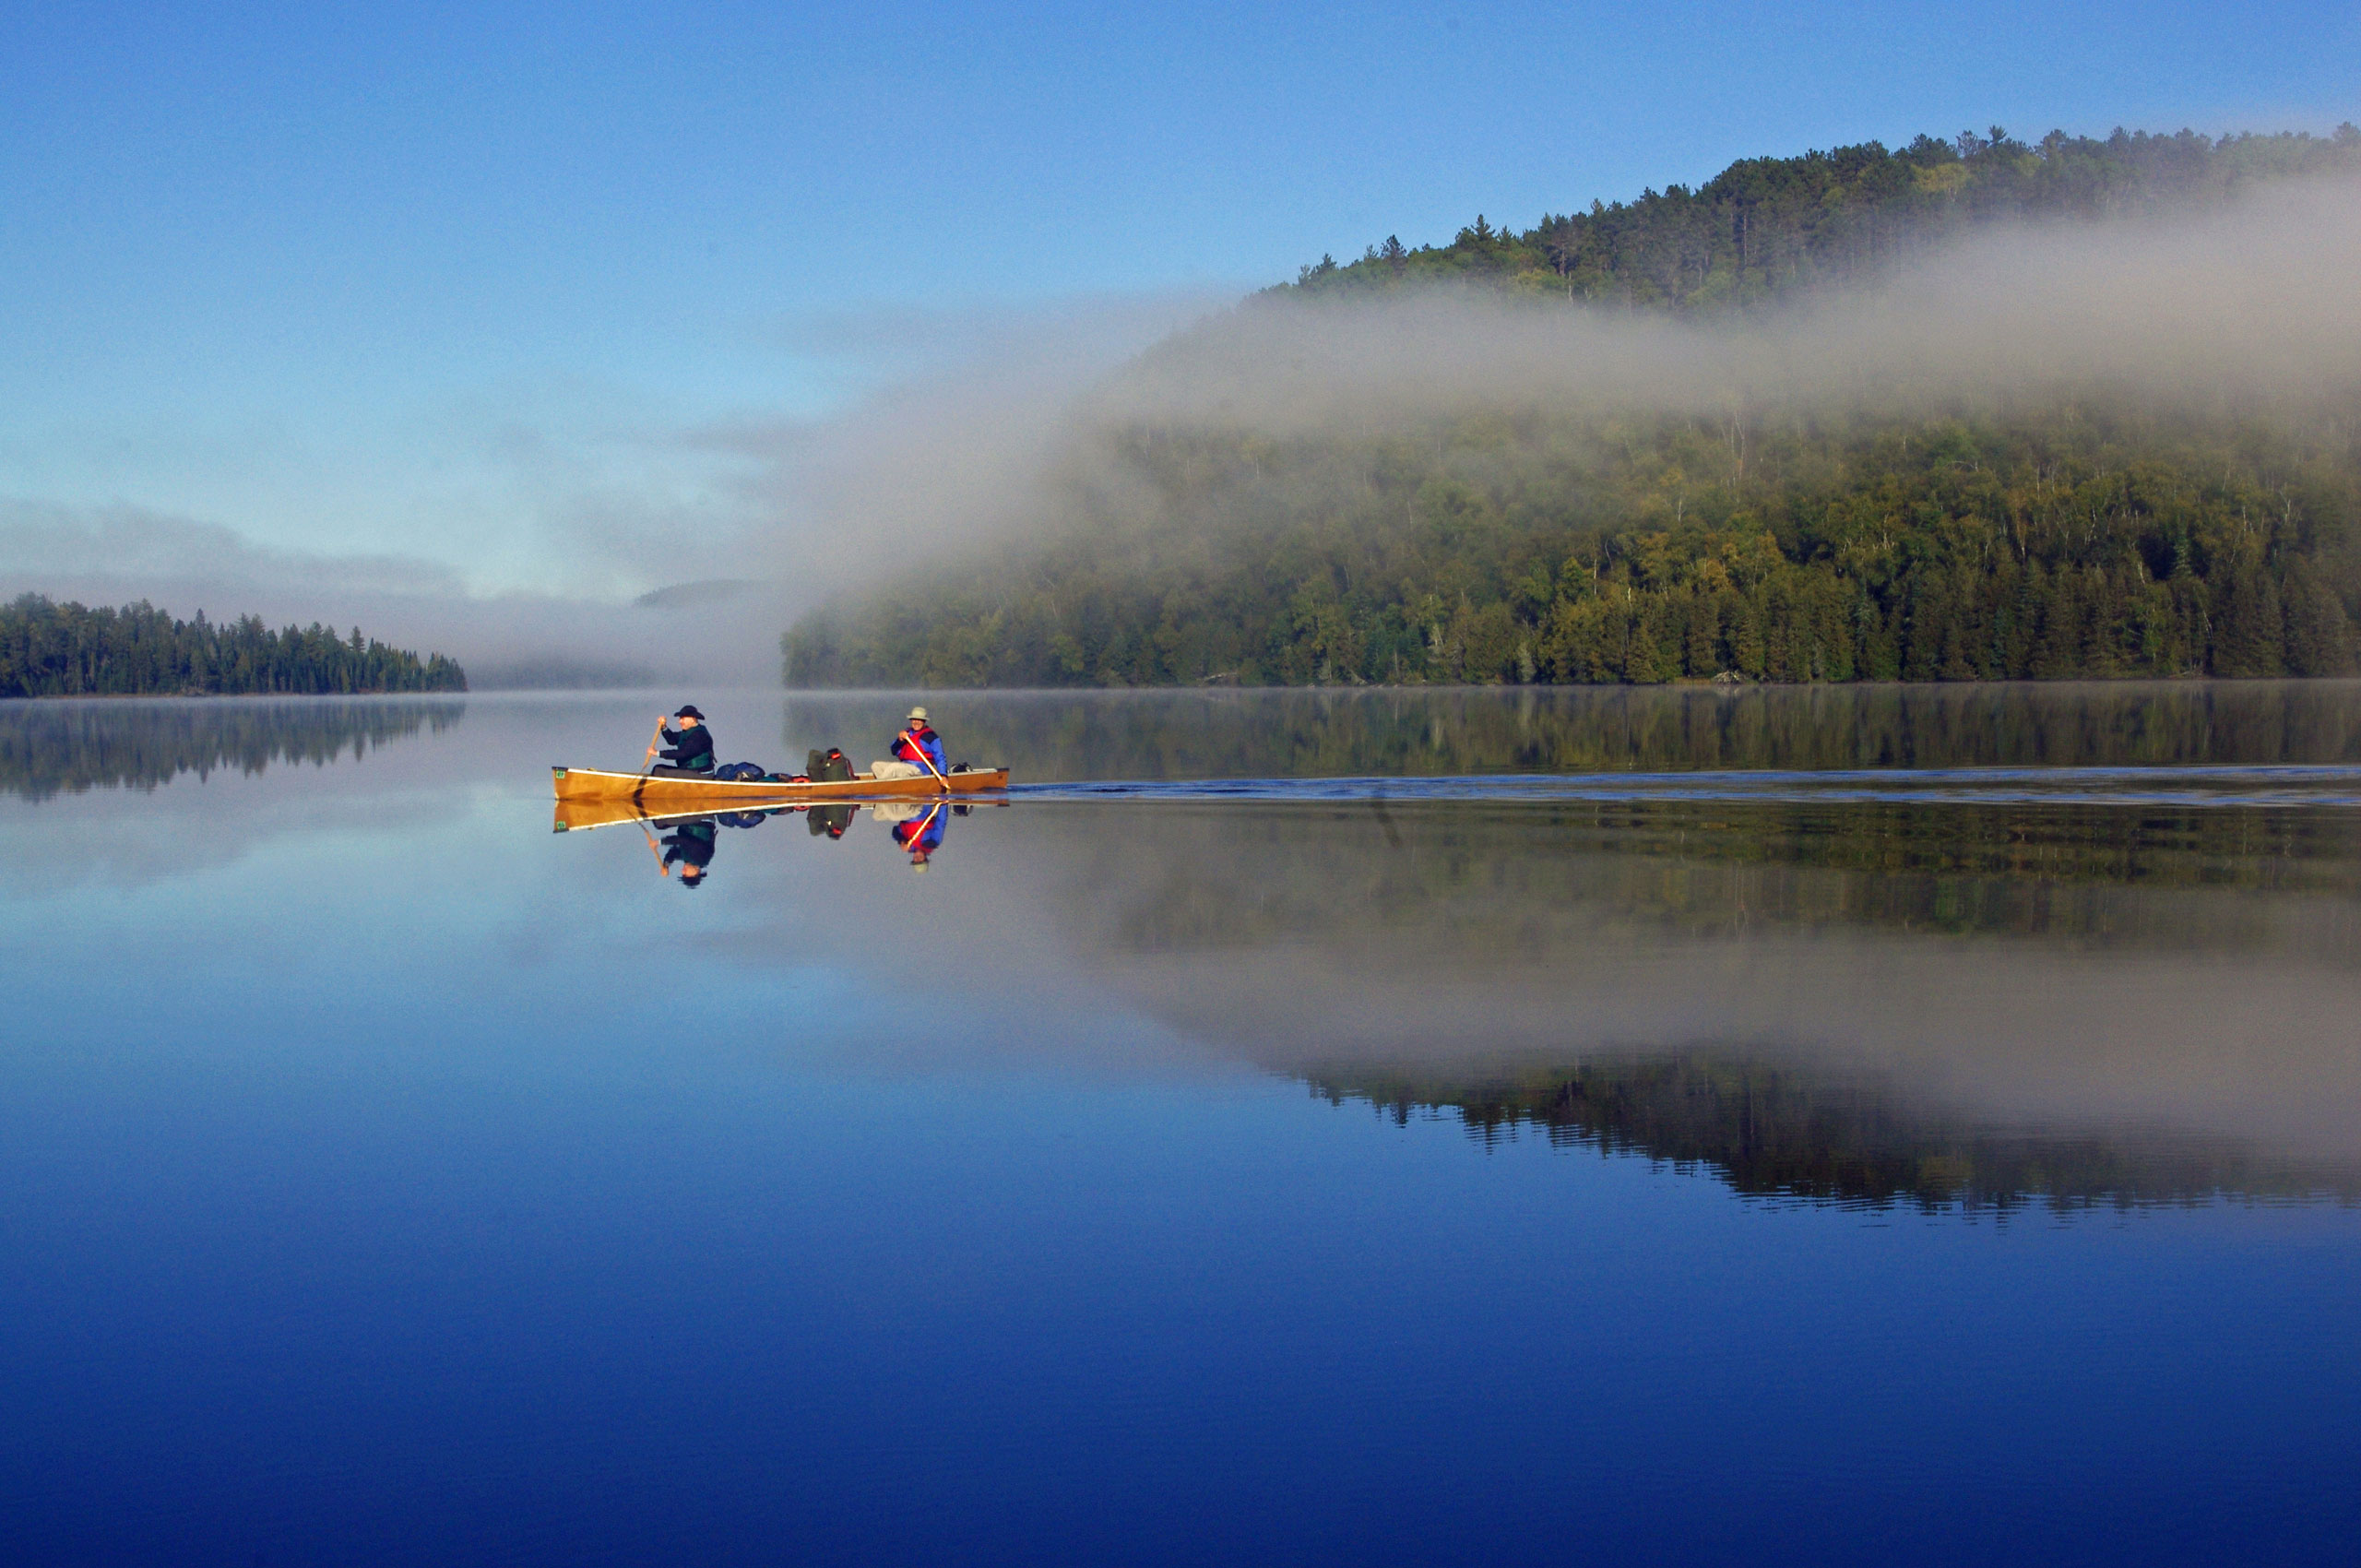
(418, 278)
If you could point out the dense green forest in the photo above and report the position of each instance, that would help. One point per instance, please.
(2048, 543)
(1764, 226)
(49, 651)
(2046, 533)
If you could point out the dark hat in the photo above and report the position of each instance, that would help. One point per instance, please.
(689, 712)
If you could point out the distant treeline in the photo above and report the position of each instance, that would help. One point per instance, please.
(52, 748)
(1764, 226)
(49, 649)
(1778, 1134)
(2074, 540)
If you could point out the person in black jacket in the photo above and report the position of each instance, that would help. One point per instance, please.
(690, 748)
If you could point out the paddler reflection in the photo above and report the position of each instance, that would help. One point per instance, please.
(917, 826)
(688, 843)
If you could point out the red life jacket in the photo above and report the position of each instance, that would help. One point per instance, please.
(922, 746)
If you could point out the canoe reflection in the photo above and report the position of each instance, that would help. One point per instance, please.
(686, 843)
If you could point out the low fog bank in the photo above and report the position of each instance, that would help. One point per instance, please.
(938, 458)
(120, 555)
(2256, 301)
(2248, 308)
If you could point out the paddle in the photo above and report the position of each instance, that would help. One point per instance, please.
(926, 762)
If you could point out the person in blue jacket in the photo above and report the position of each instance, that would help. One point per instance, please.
(918, 744)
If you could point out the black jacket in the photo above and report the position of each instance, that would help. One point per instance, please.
(690, 748)
(690, 844)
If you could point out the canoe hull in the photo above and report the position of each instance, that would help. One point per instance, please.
(663, 796)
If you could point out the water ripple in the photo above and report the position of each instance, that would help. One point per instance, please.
(2306, 786)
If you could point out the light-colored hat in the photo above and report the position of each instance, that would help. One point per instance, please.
(918, 714)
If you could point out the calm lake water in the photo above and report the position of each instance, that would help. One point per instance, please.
(1835, 1125)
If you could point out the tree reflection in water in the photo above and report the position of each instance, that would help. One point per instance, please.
(48, 748)
(1778, 1133)
(1880, 1002)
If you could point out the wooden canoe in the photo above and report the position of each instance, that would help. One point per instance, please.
(671, 795)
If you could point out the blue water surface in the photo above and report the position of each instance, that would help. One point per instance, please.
(385, 1178)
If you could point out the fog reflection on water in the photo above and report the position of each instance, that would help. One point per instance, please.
(2190, 977)
(2055, 917)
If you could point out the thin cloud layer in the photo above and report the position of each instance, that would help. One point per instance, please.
(121, 554)
(48, 542)
(2256, 298)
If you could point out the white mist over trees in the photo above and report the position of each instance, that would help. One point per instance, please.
(1993, 411)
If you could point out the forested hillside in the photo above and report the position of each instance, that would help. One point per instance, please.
(2012, 527)
(1767, 225)
(2049, 545)
(50, 649)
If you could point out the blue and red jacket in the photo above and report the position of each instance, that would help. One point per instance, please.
(920, 745)
(922, 835)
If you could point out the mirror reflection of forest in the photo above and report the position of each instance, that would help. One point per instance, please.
(1988, 1000)
(1854, 1003)
(1426, 732)
(1480, 884)
(1777, 1132)
(53, 747)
